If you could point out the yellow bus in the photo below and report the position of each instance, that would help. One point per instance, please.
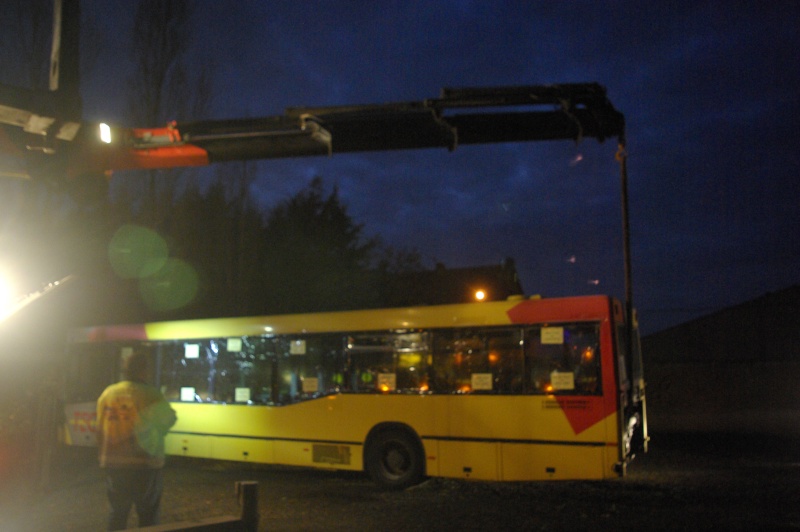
(524, 389)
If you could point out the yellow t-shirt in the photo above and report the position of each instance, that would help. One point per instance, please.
(132, 420)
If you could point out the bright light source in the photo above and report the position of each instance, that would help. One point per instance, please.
(105, 133)
(12, 302)
(7, 298)
(480, 295)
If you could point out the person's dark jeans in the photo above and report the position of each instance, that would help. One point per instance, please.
(138, 487)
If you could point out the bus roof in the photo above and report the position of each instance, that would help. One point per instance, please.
(494, 313)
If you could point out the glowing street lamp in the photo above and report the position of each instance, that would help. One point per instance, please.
(480, 295)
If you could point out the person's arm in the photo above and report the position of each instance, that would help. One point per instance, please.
(100, 419)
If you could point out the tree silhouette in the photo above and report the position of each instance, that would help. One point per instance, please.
(164, 86)
(219, 236)
(315, 255)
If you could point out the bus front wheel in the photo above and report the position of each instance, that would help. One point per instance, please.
(394, 459)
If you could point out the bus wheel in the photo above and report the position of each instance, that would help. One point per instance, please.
(394, 459)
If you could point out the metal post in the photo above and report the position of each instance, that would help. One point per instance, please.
(622, 158)
(247, 492)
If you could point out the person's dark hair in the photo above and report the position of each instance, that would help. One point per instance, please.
(135, 366)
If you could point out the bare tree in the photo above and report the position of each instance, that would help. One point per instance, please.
(165, 86)
(242, 270)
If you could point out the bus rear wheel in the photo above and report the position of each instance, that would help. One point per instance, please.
(394, 460)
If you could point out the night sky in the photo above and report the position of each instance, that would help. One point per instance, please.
(709, 91)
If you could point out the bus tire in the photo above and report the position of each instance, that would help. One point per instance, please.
(394, 459)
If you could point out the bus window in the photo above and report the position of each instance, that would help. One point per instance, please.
(506, 360)
(308, 367)
(480, 361)
(411, 351)
(564, 359)
(187, 370)
(392, 362)
(244, 372)
(457, 354)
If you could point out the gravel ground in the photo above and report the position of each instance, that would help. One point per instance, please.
(687, 481)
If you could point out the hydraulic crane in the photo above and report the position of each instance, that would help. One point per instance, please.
(42, 136)
(458, 117)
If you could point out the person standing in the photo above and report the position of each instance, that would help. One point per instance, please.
(133, 418)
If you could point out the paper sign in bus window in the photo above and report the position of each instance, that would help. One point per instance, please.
(242, 395)
(310, 385)
(562, 380)
(297, 347)
(387, 382)
(234, 345)
(553, 335)
(481, 381)
(191, 351)
(187, 393)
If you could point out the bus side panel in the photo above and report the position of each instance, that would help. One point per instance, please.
(511, 417)
(242, 449)
(612, 449)
(487, 437)
(430, 437)
(323, 432)
(493, 437)
(432, 453)
(189, 445)
(469, 459)
(552, 462)
(221, 419)
(293, 453)
(592, 455)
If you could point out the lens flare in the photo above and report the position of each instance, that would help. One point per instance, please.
(136, 252)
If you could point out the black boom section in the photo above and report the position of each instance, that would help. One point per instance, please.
(459, 116)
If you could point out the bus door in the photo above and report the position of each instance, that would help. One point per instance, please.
(632, 409)
(635, 411)
(479, 375)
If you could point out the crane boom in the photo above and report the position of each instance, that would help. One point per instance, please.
(458, 117)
